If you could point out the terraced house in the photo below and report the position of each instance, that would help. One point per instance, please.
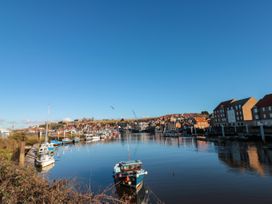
(220, 113)
(234, 112)
(262, 111)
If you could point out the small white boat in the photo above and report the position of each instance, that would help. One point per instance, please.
(95, 138)
(67, 141)
(88, 137)
(46, 148)
(76, 139)
(92, 137)
(44, 160)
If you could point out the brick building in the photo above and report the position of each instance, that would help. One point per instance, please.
(220, 113)
(234, 112)
(262, 111)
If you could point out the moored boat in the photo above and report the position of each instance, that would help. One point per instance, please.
(56, 142)
(44, 160)
(76, 139)
(129, 174)
(46, 148)
(67, 141)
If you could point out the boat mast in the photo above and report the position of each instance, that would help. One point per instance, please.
(46, 130)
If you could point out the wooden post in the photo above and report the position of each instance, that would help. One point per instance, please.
(247, 128)
(262, 132)
(39, 136)
(22, 154)
(223, 130)
(191, 130)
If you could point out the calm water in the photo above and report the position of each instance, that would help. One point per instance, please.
(180, 169)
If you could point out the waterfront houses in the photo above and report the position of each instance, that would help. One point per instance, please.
(262, 111)
(239, 112)
(220, 113)
(234, 112)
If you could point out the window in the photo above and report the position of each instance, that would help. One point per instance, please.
(255, 110)
(270, 108)
(270, 115)
(264, 115)
(257, 117)
(263, 108)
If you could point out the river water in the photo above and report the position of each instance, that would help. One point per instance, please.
(179, 169)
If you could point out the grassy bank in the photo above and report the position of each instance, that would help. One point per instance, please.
(23, 185)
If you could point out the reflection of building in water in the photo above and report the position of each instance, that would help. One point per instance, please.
(254, 160)
(201, 145)
(235, 155)
(246, 157)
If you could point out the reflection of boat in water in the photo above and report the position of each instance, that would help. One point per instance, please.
(172, 133)
(129, 173)
(128, 195)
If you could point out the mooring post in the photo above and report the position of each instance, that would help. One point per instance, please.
(262, 132)
(22, 154)
(223, 130)
(235, 128)
(39, 136)
(191, 130)
(247, 128)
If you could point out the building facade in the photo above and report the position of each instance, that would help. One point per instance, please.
(234, 112)
(220, 113)
(262, 111)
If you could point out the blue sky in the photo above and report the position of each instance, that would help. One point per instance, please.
(153, 57)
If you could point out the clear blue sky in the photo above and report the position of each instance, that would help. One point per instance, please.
(154, 57)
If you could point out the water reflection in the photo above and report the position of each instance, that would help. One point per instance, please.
(178, 168)
(237, 155)
(246, 156)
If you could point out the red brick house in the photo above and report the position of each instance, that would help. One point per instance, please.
(262, 111)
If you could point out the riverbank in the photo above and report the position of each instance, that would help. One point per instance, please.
(23, 185)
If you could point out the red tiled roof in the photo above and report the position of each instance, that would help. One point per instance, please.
(265, 101)
(200, 119)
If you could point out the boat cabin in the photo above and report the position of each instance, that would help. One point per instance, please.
(130, 166)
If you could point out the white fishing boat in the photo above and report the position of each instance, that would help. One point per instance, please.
(46, 148)
(95, 138)
(44, 156)
(91, 137)
(44, 160)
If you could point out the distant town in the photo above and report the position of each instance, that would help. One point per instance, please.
(248, 118)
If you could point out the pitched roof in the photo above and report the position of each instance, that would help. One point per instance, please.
(241, 102)
(224, 104)
(200, 119)
(265, 101)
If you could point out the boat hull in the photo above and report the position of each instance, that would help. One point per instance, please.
(40, 163)
(130, 180)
